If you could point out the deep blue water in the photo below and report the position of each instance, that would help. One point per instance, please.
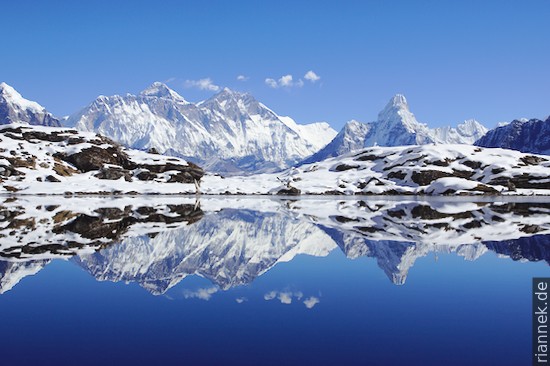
(447, 311)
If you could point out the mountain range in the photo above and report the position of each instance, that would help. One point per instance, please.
(233, 133)
(230, 132)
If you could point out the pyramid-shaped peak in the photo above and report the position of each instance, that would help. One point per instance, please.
(397, 106)
(161, 90)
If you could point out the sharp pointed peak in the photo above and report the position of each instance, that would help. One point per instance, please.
(396, 104)
(398, 100)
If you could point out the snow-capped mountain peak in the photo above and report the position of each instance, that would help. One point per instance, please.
(397, 112)
(11, 95)
(466, 132)
(396, 125)
(161, 90)
(471, 127)
(15, 108)
(398, 101)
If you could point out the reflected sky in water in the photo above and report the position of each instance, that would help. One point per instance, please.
(237, 281)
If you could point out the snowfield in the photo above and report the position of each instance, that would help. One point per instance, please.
(46, 160)
(422, 170)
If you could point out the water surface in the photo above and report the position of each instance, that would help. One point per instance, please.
(176, 280)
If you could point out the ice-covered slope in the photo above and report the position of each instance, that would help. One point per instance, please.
(529, 136)
(351, 137)
(15, 108)
(396, 126)
(465, 133)
(230, 132)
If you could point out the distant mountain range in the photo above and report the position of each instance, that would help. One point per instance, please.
(233, 133)
(230, 132)
(396, 126)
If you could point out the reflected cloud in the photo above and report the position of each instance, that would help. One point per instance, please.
(201, 293)
(285, 297)
(311, 301)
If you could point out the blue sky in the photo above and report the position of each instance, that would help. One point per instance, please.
(453, 60)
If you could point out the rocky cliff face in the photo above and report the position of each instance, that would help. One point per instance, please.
(532, 136)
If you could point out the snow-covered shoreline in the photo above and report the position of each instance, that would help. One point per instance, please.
(37, 160)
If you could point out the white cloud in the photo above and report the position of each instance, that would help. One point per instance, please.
(202, 84)
(170, 80)
(271, 83)
(270, 295)
(285, 81)
(242, 78)
(311, 302)
(240, 300)
(201, 293)
(312, 76)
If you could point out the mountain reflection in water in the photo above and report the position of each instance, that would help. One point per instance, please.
(158, 241)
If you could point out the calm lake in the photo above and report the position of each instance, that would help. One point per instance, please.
(159, 280)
